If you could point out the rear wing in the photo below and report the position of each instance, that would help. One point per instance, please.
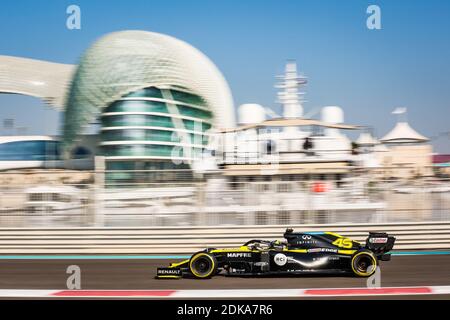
(380, 242)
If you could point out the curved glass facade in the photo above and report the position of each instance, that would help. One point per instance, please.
(150, 135)
(146, 150)
(133, 120)
(32, 150)
(152, 127)
(136, 106)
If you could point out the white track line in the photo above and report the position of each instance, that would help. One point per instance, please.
(238, 293)
(14, 293)
(233, 293)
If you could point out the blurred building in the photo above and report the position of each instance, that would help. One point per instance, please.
(155, 97)
(370, 150)
(45, 152)
(152, 96)
(290, 147)
(24, 152)
(155, 102)
(408, 154)
(441, 164)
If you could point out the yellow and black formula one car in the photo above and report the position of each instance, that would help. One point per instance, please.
(301, 253)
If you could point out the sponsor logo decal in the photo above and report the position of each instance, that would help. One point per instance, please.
(169, 271)
(239, 255)
(280, 259)
(306, 242)
(343, 243)
(310, 264)
(305, 239)
(333, 258)
(233, 270)
(322, 250)
(378, 240)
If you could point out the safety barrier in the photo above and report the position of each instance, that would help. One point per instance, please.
(159, 240)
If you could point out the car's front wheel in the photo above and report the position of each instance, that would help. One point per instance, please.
(203, 265)
(364, 263)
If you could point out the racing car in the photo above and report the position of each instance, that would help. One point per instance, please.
(299, 253)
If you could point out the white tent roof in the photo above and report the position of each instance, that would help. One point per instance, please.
(367, 139)
(402, 132)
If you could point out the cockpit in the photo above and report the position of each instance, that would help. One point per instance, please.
(264, 245)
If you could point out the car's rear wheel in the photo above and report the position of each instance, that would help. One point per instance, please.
(364, 263)
(203, 265)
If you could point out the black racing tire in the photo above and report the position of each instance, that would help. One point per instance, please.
(203, 265)
(364, 263)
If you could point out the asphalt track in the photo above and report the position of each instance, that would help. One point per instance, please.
(120, 274)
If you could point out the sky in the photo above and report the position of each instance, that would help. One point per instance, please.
(366, 72)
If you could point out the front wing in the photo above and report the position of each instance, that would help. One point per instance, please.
(173, 271)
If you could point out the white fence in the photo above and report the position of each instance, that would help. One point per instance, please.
(165, 240)
(195, 205)
(75, 199)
